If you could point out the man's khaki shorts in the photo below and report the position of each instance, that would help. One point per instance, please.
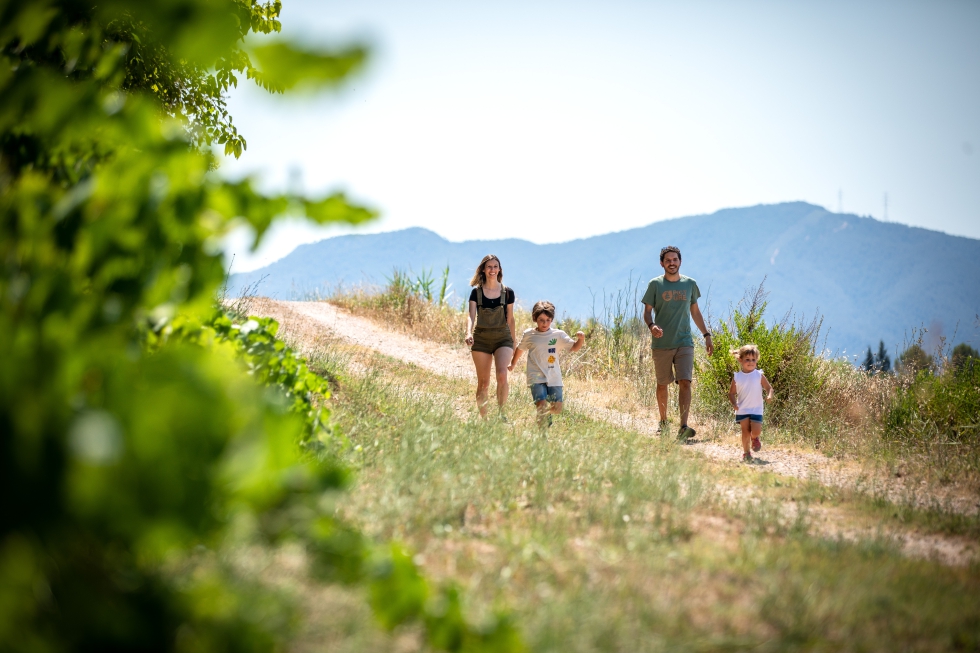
(673, 365)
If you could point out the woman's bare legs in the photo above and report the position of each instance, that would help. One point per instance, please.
(501, 359)
(483, 363)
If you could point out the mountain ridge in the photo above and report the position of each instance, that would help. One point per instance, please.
(869, 280)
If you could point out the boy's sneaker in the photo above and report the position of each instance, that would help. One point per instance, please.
(746, 457)
(503, 418)
(686, 433)
(756, 444)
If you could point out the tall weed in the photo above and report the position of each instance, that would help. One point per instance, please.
(410, 304)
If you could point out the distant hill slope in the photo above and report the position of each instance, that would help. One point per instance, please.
(869, 280)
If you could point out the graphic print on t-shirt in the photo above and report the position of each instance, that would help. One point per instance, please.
(542, 349)
(674, 295)
(671, 303)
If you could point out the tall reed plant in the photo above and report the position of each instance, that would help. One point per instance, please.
(423, 305)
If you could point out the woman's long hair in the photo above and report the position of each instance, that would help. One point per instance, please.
(480, 277)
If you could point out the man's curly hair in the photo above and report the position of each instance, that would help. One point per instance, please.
(667, 250)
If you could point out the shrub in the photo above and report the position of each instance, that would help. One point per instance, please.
(913, 360)
(787, 354)
(964, 356)
(944, 406)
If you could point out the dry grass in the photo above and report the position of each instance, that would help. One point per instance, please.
(539, 523)
(832, 407)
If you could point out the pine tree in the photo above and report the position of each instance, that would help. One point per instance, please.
(882, 361)
(963, 356)
(869, 361)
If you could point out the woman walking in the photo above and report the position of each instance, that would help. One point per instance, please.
(490, 330)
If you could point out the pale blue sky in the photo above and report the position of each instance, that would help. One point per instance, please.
(558, 120)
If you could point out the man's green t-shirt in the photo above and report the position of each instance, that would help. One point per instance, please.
(671, 302)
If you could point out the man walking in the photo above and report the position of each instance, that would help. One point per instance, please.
(671, 300)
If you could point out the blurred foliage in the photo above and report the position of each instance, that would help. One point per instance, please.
(940, 406)
(137, 423)
(787, 356)
(186, 54)
(964, 357)
(947, 405)
(913, 360)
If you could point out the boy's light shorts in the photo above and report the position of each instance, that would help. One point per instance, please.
(673, 365)
(544, 392)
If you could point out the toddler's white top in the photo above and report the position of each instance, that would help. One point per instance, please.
(749, 387)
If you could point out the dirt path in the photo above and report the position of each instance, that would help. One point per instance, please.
(308, 323)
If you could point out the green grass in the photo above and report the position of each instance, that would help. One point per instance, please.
(603, 539)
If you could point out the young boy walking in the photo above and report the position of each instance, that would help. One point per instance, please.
(746, 397)
(543, 344)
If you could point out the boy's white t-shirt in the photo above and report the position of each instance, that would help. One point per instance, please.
(749, 390)
(542, 349)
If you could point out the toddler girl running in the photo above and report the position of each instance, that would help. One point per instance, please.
(745, 394)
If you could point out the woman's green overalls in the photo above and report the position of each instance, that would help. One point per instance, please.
(491, 331)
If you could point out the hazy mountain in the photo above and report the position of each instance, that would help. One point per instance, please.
(869, 280)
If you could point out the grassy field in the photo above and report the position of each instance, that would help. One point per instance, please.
(604, 539)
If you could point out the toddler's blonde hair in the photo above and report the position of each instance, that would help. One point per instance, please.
(746, 349)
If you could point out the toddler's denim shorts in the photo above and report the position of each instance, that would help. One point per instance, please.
(543, 391)
(752, 418)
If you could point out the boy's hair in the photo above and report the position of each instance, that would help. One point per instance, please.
(746, 349)
(545, 307)
(667, 250)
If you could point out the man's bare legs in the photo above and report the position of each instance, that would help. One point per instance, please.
(662, 397)
(683, 400)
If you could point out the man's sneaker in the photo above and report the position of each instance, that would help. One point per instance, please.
(549, 421)
(756, 444)
(662, 427)
(746, 457)
(503, 418)
(686, 433)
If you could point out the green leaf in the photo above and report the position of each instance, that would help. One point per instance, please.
(281, 66)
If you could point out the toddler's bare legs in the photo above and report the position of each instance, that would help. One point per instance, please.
(747, 428)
